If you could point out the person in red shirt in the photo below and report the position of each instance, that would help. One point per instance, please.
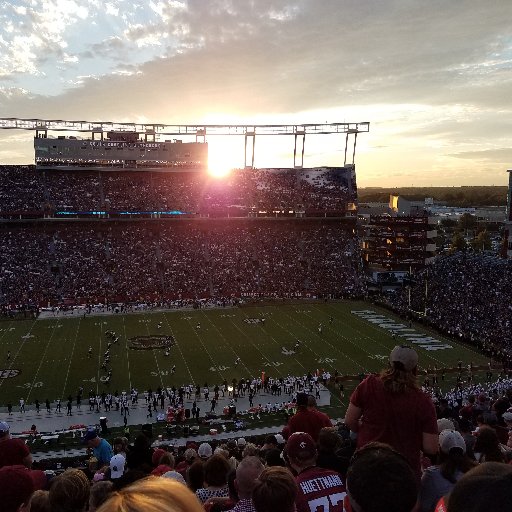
(319, 489)
(307, 419)
(392, 409)
(324, 418)
(13, 451)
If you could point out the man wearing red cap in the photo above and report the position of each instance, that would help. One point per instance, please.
(12, 451)
(16, 487)
(17, 483)
(319, 489)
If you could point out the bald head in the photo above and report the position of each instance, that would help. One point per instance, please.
(247, 473)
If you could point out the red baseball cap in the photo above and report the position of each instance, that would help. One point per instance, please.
(16, 487)
(300, 446)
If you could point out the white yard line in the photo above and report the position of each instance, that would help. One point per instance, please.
(257, 348)
(206, 350)
(179, 348)
(333, 347)
(127, 354)
(156, 359)
(71, 359)
(42, 359)
(302, 344)
(364, 336)
(19, 345)
(385, 348)
(6, 330)
(99, 358)
(226, 342)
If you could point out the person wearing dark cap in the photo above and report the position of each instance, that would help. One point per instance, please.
(100, 447)
(391, 408)
(316, 486)
(307, 420)
(12, 451)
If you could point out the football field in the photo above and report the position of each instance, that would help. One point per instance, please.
(49, 358)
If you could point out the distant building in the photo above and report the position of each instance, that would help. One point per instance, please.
(491, 215)
(402, 239)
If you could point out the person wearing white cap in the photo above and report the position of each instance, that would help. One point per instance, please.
(445, 424)
(439, 480)
(117, 465)
(279, 438)
(391, 408)
(204, 451)
(507, 418)
(12, 451)
(175, 476)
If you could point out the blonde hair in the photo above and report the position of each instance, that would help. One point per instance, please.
(250, 450)
(69, 492)
(153, 494)
(39, 502)
(398, 380)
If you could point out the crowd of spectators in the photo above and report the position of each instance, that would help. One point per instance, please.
(149, 260)
(464, 295)
(24, 190)
(312, 463)
(21, 189)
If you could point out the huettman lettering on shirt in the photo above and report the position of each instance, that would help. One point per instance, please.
(320, 490)
(320, 484)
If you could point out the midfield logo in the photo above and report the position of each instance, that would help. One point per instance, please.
(7, 374)
(151, 342)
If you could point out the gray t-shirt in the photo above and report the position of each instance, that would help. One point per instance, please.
(433, 487)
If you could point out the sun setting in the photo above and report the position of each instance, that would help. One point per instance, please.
(224, 154)
(219, 171)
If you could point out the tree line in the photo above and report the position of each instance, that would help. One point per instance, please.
(452, 196)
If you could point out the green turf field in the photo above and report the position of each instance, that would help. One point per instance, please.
(52, 354)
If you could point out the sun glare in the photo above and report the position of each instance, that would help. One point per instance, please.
(218, 171)
(222, 157)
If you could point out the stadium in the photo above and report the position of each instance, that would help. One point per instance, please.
(127, 268)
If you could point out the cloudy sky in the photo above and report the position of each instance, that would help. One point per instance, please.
(434, 78)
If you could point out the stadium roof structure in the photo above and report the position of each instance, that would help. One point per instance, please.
(152, 131)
